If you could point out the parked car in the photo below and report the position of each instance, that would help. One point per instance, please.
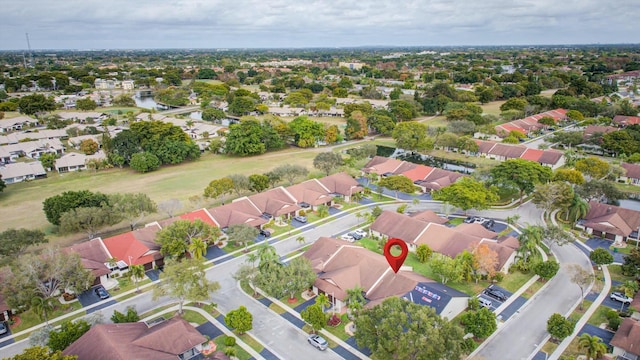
(495, 293)
(300, 218)
(354, 235)
(265, 232)
(485, 302)
(480, 220)
(347, 237)
(266, 216)
(3, 328)
(489, 224)
(470, 219)
(318, 342)
(304, 205)
(618, 296)
(361, 232)
(101, 292)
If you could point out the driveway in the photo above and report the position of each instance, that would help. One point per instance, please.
(89, 297)
(608, 302)
(603, 334)
(595, 243)
(4, 342)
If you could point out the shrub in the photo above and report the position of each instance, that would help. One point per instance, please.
(498, 277)
(614, 320)
(334, 320)
(230, 341)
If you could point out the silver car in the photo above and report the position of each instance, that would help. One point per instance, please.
(318, 342)
(618, 296)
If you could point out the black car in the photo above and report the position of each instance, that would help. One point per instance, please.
(496, 294)
(489, 224)
(265, 233)
(3, 328)
(355, 235)
(101, 292)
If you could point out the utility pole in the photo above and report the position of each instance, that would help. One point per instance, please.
(30, 53)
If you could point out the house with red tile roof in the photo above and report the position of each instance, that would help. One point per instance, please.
(341, 184)
(136, 247)
(626, 341)
(434, 178)
(239, 211)
(94, 256)
(419, 173)
(380, 165)
(310, 192)
(502, 152)
(622, 120)
(342, 266)
(530, 123)
(532, 154)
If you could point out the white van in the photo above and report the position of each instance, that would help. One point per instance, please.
(485, 303)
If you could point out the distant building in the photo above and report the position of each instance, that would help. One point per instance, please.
(127, 85)
(351, 65)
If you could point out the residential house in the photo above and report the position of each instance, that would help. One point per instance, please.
(77, 161)
(17, 124)
(29, 135)
(626, 341)
(426, 177)
(341, 266)
(611, 222)
(277, 203)
(341, 185)
(311, 193)
(94, 256)
(240, 211)
(622, 120)
(171, 340)
(631, 175)
(18, 172)
(5, 156)
(501, 152)
(77, 140)
(34, 149)
(136, 247)
(428, 216)
(530, 123)
(82, 116)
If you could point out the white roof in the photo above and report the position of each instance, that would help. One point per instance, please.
(4, 123)
(11, 171)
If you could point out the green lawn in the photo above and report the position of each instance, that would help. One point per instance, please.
(241, 353)
(338, 331)
(21, 202)
(600, 316)
(29, 318)
(249, 340)
(616, 274)
(194, 317)
(515, 280)
(277, 309)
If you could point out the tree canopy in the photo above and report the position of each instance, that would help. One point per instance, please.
(520, 174)
(57, 205)
(327, 161)
(467, 193)
(185, 280)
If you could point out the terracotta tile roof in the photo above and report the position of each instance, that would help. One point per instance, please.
(139, 244)
(530, 122)
(532, 154)
(399, 226)
(476, 230)
(628, 336)
(381, 165)
(341, 183)
(201, 214)
(595, 129)
(311, 191)
(626, 120)
(484, 147)
(633, 170)
(241, 211)
(429, 216)
(126, 341)
(93, 255)
(635, 303)
(420, 172)
(440, 178)
(504, 129)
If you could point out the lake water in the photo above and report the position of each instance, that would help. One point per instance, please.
(147, 103)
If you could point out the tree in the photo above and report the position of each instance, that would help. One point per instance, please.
(327, 161)
(86, 104)
(356, 127)
(314, 316)
(43, 276)
(530, 238)
(424, 252)
(559, 327)
(144, 162)
(218, 187)
(355, 299)
(399, 329)
(2, 184)
(132, 207)
(89, 146)
(554, 195)
(129, 317)
(13, 243)
(480, 323)
(68, 333)
(88, 220)
(445, 268)
(593, 167)
(467, 193)
(558, 235)
(289, 279)
(247, 273)
(598, 189)
(185, 280)
(175, 240)
(306, 132)
(398, 183)
(520, 174)
(57, 205)
(485, 260)
(197, 249)
(240, 183)
(124, 100)
(245, 139)
(32, 104)
(258, 182)
(136, 272)
(41, 307)
(581, 277)
(213, 114)
(631, 265)
(322, 300)
(289, 172)
(601, 256)
(240, 320)
(41, 353)
(412, 136)
(242, 234)
(170, 207)
(546, 269)
(593, 345)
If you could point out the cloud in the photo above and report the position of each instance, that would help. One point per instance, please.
(277, 23)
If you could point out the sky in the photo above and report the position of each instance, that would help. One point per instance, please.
(158, 24)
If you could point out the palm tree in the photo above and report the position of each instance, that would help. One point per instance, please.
(189, 124)
(136, 272)
(252, 258)
(628, 288)
(197, 248)
(301, 239)
(530, 238)
(355, 299)
(323, 301)
(41, 306)
(267, 255)
(578, 208)
(359, 216)
(593, 345)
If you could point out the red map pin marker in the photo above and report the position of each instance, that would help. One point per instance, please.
(395, 261)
